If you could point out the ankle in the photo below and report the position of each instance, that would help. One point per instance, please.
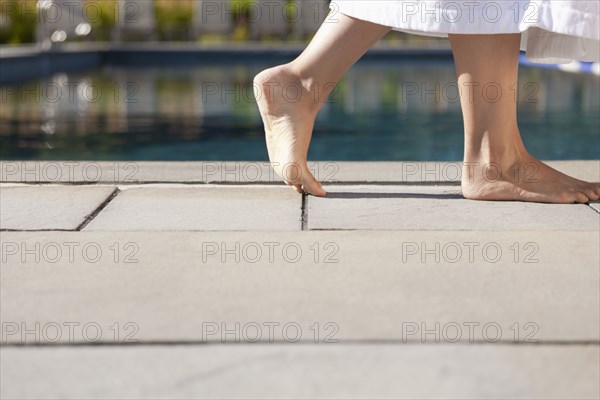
(315, 90)
(503, 153)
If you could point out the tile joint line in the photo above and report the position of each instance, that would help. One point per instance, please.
(351, 342)
(98, 210)
(304, 213)
(593, 208)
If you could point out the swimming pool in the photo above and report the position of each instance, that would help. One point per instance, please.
(394, 111)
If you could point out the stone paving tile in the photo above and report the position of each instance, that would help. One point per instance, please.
(202, 207)
(249, 172)
(588, 170)
(49, 207)
(438, 208)
(277, 371)
(369, 285)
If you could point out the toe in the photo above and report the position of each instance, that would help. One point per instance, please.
(591, 194)
(315, 188)
(581, 198)
(311, 185)
(297, 187)
(589, 190)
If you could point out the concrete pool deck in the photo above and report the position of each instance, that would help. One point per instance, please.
(155, 280)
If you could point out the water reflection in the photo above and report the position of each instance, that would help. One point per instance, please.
(379, 111)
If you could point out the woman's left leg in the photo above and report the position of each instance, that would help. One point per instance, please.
(289, 96)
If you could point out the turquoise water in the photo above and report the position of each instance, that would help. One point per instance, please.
(380, 111)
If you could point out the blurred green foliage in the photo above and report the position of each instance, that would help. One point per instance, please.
(173, 22)
(103, 21)
(20, 19)
(174, 19)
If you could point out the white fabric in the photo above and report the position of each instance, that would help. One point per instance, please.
(554, 31)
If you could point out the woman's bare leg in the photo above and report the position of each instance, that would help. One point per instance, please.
(290, 96)
(497, 165)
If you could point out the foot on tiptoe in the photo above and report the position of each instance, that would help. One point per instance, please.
(288, 126)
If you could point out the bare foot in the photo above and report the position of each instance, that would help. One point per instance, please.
(288, 110)
(524, 179)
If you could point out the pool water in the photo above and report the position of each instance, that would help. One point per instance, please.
(394, 111)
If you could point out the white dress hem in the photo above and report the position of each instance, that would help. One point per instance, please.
(554, 31)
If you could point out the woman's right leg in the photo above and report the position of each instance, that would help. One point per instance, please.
(290, 96)
(497, 165)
